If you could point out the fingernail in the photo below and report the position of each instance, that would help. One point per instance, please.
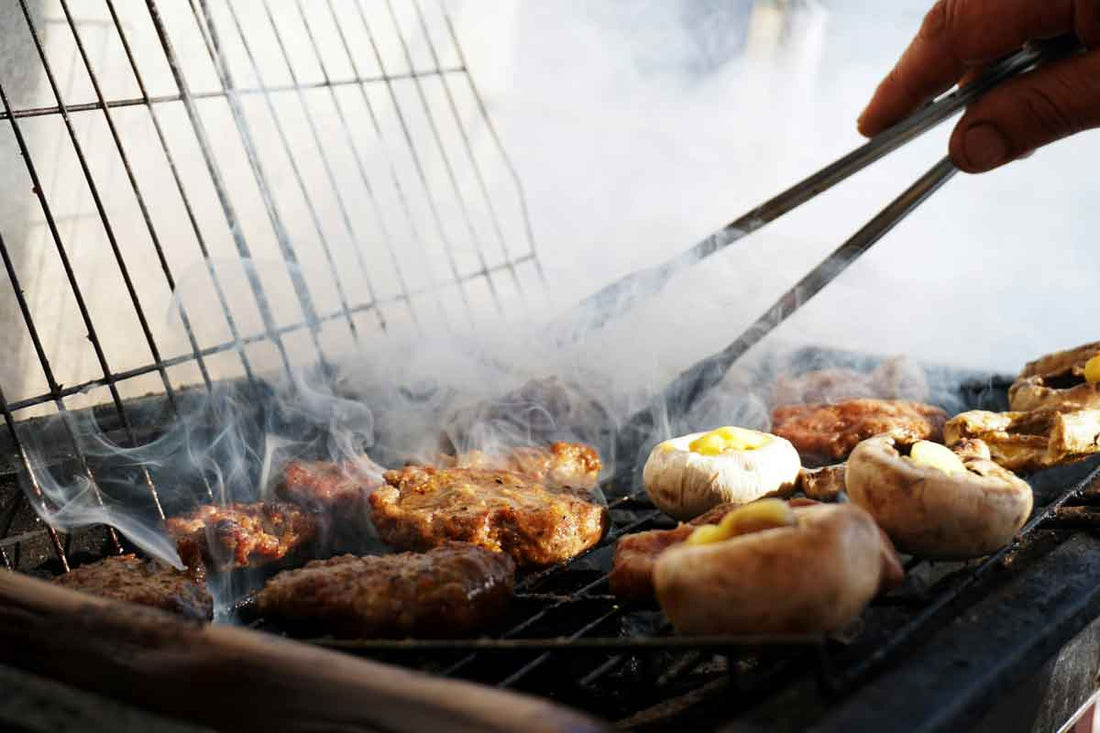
(984, 146)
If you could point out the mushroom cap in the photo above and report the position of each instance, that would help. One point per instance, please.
(815, 576)
(684, 484)
(1056, 379)
(931, 513)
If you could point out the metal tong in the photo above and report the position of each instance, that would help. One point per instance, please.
(622, 295)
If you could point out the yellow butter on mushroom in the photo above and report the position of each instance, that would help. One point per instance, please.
(1092, 370)
(934, 455)
(754, 517)
(729, 438)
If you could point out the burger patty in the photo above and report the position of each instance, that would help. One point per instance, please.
(241, 535)
(562, 464)
(453, 590)
(537, 523)
(831, 432)
(146, 582)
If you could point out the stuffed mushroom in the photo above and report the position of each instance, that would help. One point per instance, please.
(686, 476)
(773, 568)
(934, 503)
(1070, 377)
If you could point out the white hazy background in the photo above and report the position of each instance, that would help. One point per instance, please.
(636, 127)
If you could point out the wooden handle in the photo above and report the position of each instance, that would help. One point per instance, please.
(237, 679)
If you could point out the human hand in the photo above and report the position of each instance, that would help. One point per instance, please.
(959, 39)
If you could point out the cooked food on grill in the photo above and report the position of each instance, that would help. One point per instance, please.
(772, 568)
(631, 576)
(688, 475)
(896, 378)
(562, 464)
(830, 432)
(935, 503)
(145, 582)
(454, 589)
(537, 523)
(822, 484)
(339, 488)
(1064, 378)
(242, 535)
(1033, 440)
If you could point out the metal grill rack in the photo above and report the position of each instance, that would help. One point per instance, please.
(339, 149)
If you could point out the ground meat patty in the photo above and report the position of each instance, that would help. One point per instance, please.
(146, 582)
(340, 488)
(562, 464)
(831, 432)
(242, 535)
(453, 590)
(534, 522)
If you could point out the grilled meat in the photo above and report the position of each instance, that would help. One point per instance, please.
(536, 523)
(562, 464)
(242, 535)
(145, 582)
(452, 590)
(1056, 379)
(833, 431)
(337, 488)
(822, 484)
(631, 576)
(1030, 441)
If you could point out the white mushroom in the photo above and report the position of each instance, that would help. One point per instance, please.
(935, 504)
(688, 475)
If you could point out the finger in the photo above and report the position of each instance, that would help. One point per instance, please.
(957, 34)
(1028, 112)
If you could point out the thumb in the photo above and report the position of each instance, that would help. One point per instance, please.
(1025, 113)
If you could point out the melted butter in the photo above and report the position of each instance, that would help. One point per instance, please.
(727, 439)
(934, 455)
(1092, 370)
(754, 517)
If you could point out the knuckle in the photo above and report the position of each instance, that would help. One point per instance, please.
(935, 22)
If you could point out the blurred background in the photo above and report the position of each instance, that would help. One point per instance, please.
(608, 136)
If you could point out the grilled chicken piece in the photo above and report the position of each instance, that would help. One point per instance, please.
(822, 484)
(562, 464)
(242, 535)
(1056, 379)
(145, 582)
(1030, 441)
(831, 432)
(453, 590)
(895, 379)
(536, 523)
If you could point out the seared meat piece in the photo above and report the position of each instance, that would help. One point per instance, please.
(833, 431)
(1029, 441)
(452, 590)
(241, 535)
(563, 464)
(146, 582)
(536, 523)
(631, 575)
(340, 489)
(822, 484)
(896, 378)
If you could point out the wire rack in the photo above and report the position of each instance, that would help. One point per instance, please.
(201, 159)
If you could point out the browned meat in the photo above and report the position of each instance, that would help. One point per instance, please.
(241, 535)
(339, 488)
(146, 582)
(822, 484)
(833, 431)
(631, 575)
(536, 523)
(562, 464)
(453, 590)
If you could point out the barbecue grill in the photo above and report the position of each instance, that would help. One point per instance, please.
(359, 144)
